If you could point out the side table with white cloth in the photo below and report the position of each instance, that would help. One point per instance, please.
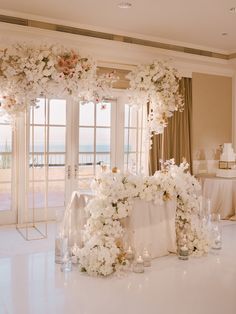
(222, 194)
(150, 226)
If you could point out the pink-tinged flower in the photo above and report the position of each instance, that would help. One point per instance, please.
(29, 71)
(67, 63)
(103, 106)
(8, 102)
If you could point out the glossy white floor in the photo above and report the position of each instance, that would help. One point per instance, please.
(30, 282)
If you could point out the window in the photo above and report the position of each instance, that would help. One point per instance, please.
(47, 153)
(134, 140)
(95, 122)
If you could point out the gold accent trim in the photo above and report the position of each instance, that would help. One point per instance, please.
(232, 56)
(13, 20)
(114, 37)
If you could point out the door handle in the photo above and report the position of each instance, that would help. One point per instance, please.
(68, 172)
(76, 171)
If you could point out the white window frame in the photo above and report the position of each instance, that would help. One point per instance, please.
(21, 153)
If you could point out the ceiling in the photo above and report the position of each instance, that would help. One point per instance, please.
(195, 23)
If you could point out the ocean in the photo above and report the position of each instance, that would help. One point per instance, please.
(58, 148)
(57, 154)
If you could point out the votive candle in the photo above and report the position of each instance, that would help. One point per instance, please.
(146, 258)
(139, 265)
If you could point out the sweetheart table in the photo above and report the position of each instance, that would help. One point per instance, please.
(150, 226)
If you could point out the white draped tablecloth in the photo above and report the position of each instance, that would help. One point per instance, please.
(222, 194)
(152, 226)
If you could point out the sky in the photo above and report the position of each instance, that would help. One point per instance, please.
(57, 116)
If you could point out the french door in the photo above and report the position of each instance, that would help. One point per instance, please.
(91, 142)
(47, 156)
(73, 140)
(59, 147)
(63, 148)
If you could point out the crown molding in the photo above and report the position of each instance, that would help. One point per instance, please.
(112, 34)
(117, 54)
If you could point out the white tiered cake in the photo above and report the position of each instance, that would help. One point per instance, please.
(227, 165)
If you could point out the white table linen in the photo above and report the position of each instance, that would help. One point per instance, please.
(222, 194)
(152, 226)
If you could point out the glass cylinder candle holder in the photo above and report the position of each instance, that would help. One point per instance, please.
(129, 254)
(139, 265)
(61, 245)
(66, 264)
(147, 260)
(74, 254)
(183, 253)
(60, 240)
(216, 232)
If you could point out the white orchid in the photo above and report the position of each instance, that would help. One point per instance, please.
(115, 195)
(158, 85)
(28, 71)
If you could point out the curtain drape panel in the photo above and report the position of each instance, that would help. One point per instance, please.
(177, 135)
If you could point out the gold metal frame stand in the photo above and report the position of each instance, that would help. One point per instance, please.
(29, 226)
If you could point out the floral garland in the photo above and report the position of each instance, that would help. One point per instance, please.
(156, 84)
(28, 72)
(103, 252)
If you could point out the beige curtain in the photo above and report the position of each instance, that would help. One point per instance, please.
(177, 135)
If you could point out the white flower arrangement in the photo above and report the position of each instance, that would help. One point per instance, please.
(156, 84)
(28, 72)
(103, 252)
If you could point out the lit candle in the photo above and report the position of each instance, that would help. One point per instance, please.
(129, 254)
(139, 265)
(217, 243)
(183, 252)
(146, 258)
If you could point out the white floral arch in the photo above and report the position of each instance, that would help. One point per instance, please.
(28, 71)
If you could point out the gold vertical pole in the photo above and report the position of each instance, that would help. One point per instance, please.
(30, 222)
